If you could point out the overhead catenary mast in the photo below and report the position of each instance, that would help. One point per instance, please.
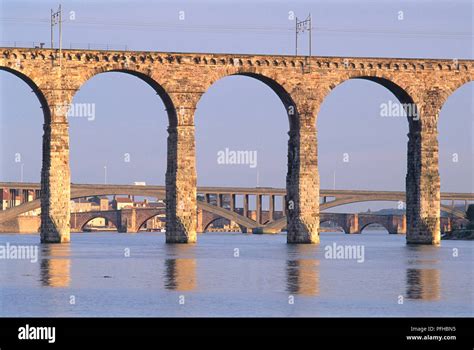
(301, 27)
(56, 19)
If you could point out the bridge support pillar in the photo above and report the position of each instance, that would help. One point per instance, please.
(199, 225)
(446, 225)
(181, 193)
(302, 181)
(398, 224)
(352, 223)
(422, 181)
(259, 208)
(55, 172)
(232, 202)
(271, 208)
(128, 220)
(246, 205)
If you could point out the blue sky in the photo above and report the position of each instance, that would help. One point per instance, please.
(238, 112)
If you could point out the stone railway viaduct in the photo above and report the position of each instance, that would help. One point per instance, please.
(301, 83)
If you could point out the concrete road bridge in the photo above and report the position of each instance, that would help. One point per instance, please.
(220, 202)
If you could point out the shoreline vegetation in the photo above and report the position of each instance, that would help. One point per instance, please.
(467, 233)
(461, 234)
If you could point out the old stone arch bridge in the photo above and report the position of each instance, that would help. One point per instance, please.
(301, 83)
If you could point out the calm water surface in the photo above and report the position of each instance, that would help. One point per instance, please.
(232, 274)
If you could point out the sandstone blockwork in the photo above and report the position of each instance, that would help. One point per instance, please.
(302, 83)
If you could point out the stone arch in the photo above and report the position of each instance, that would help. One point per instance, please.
(92, 217)
(35, 88)
(295, 99)
(279, 88)
(422, 218)
(405, 94)
(143, 221)
(452, 88)
(341, 226)
(459, 127)
(210, 222)
(178, 138)
(302, 186)
(378, 222)
(144, 76)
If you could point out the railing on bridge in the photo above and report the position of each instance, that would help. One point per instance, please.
(71, 46)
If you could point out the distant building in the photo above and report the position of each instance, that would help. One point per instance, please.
(120, 203)
(80, 207)
(104, 204)
(10, 198)
(4, 199)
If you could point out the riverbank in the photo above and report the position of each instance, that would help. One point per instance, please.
(466, 235)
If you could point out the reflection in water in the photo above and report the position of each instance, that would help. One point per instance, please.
(180, 273)
(302, 272)
(423, 284)
(56, 265)
(423, 278)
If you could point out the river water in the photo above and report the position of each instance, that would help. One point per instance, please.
(233, 274)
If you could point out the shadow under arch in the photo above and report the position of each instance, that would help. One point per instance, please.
(36, 90)
(338, 228)
(205, 228)
(144, 221)
(365, 226)
(99, 217)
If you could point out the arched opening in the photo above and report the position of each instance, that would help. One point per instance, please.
(154, 223)
(115, 139)
(99, 223)
(242, 129)
(455, 126)
(118, 134)
(21, 123)
(373, 228)
(330, 226)
(372, 126)
(221, 224)
(21, 135)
